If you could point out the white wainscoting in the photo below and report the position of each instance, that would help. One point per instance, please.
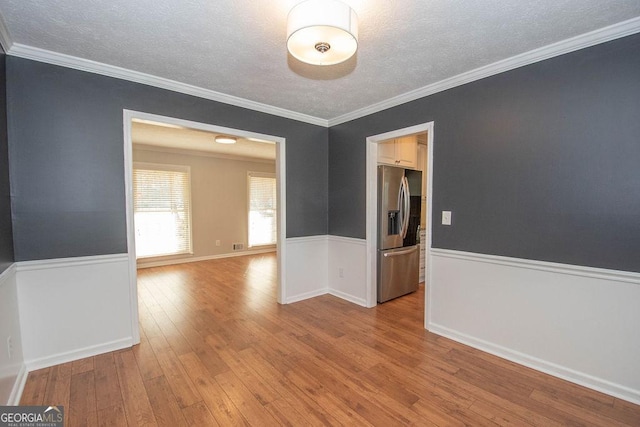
(73, 308)
(577, 323)
(313, 268)
(306, 275)
(349, 256)
(13, 373)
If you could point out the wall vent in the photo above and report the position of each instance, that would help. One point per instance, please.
(238, 246)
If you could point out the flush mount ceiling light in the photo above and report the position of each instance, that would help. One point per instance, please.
(322, 32)
(222, 139)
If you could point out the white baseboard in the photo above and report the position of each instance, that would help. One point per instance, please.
(18, 386)
(77, 354)
(576, 323)
(184, 260)
(306, 295)
(565, 373)
(347, 297)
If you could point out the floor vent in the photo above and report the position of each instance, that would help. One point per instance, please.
(238, 246)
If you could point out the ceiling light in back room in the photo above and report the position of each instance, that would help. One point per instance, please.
(322, 32)
(223, 139)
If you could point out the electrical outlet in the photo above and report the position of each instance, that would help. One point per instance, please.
(9, 347)
(341, 272)
(217, 242)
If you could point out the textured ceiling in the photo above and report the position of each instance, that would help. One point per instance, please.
(237, 47)
(181, 138)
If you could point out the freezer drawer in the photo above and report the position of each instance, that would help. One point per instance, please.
(398, 271)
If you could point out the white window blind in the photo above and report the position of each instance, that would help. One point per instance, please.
(262, 209)
(162, 209)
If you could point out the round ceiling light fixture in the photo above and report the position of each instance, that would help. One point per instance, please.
(222, 139)
(322, 32)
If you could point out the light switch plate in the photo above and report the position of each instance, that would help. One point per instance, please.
(446, 217)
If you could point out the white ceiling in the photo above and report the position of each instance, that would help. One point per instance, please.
(172, 138)
(238, 47)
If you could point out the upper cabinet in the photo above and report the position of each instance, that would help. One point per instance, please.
(399, 152)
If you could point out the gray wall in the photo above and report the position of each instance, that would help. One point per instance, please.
(542, 162)
(6, 235)
(66, 151)
(539, 162)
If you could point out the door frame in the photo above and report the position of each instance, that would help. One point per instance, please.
(372, 210)
(128, 116)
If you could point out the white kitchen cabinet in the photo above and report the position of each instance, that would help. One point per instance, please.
(399, 152)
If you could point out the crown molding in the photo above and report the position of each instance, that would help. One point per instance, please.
(5, 38)
(602, 35)
(68, 61)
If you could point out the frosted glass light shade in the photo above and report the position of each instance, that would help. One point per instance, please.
(322, 32)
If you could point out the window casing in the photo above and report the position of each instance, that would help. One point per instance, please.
(263, 218)
(162, 209)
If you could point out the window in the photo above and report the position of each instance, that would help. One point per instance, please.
(262, 209)
(162, 209)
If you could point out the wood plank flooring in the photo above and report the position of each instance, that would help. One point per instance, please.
(216, 349)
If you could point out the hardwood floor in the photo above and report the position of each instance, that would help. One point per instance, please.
(217, 349)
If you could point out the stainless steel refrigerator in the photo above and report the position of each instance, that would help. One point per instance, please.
(399, 197)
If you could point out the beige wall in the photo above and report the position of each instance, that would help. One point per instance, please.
(218, 195)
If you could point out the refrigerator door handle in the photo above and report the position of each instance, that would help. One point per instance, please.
(401, 195)
(401, 206)
(406, 208)
(408, 202)
(398, 253)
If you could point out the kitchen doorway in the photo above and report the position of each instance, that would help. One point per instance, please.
(280, 173)
(372, 203)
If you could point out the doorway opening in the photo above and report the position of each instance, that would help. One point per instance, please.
(198, 138)
(427, 137)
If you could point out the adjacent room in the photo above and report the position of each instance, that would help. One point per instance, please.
(199, 195)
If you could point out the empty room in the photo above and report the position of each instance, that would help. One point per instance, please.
(320, 212)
